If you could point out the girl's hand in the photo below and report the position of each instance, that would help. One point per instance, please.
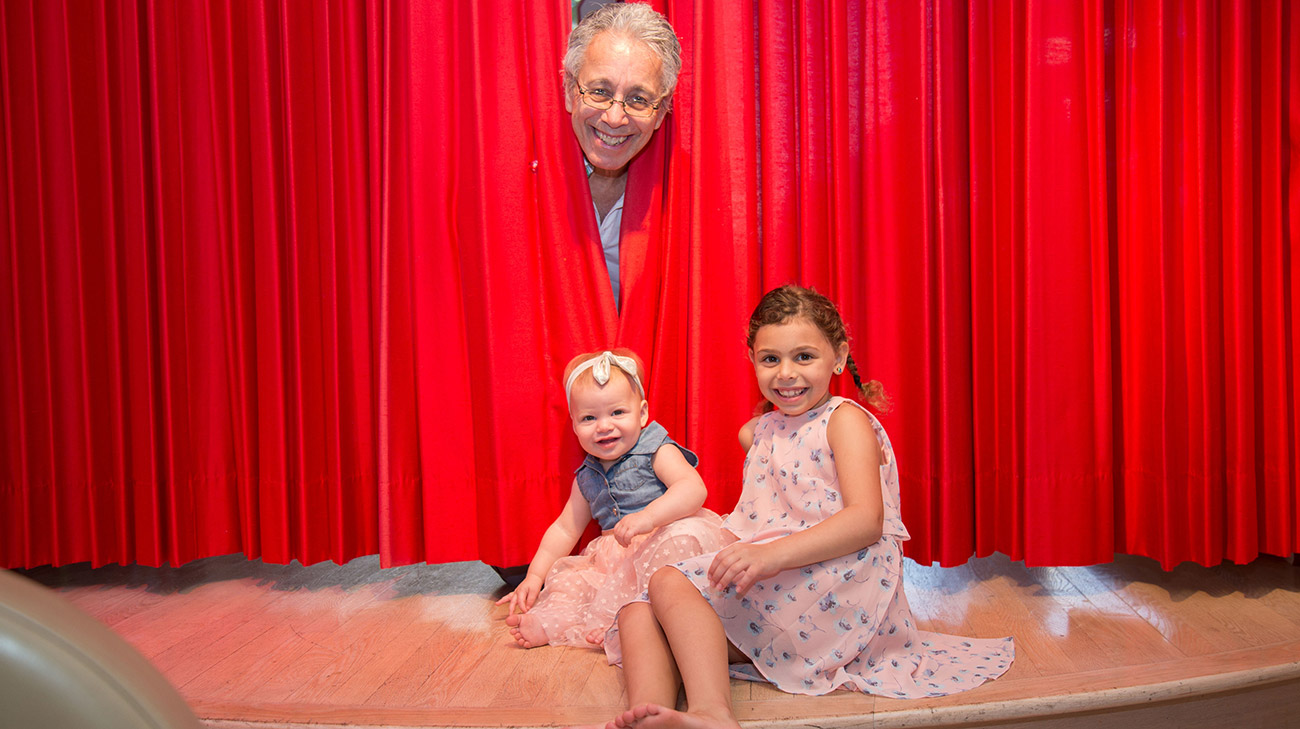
(523, 596)
(632, 525)
(742, 565)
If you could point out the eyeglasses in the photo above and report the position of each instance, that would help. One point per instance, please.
(637, 106)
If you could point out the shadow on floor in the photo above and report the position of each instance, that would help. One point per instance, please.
(456, 578)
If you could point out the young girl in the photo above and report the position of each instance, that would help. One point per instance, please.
(641, 487)
(809, 595)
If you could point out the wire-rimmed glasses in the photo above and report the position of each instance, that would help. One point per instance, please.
(637, 106)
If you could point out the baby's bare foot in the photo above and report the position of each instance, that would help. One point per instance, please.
(526, 630)
(650, 716)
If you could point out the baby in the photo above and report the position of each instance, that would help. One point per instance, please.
(638, 484)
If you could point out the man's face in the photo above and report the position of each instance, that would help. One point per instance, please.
(624, 68)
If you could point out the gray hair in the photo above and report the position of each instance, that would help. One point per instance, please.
(637, 21)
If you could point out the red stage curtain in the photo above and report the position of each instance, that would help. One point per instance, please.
(297, 280)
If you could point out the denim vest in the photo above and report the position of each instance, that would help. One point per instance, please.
(630, 483)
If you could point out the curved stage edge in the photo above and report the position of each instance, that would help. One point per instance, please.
(286, 646)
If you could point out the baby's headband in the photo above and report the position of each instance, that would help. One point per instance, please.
(600, 371)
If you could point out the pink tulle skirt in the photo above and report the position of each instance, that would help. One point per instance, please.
(582, 594)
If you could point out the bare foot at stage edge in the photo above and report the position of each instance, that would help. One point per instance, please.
(651, 716)
(526, 630)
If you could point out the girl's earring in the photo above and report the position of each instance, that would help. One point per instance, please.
(839, 370)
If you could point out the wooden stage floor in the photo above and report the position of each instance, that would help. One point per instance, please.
(1122, 644)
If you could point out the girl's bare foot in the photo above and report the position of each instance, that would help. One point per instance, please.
(650, 716)
(597, 636)
(526, 630)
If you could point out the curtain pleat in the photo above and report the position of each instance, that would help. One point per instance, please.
(298, 280)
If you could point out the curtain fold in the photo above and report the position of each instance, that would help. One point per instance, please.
(298, 280)
(1039, 270)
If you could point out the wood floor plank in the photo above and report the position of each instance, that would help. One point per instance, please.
(998, 610)
(1124, 635)
(355, 650)
(112, 605)
(477, 643)
(1271, 582)
(452, 631)
(603, 685)
(1203, 623)
(568, 676)
(315, 647)
(528, 673)
(274, 653)
(378, 664)
(1059, 607)
(941, 599)
(181, 665)
(241, 612)
(188, 618)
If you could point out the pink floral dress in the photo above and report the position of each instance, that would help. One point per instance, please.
(844, 622)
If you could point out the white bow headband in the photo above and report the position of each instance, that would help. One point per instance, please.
(600, 371)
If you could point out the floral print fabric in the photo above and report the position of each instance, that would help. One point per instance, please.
(844, 622)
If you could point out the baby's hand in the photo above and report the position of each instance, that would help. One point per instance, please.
(632, 525)
(743, 564)
(523, 596)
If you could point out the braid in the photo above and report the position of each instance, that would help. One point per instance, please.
(872, 392)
